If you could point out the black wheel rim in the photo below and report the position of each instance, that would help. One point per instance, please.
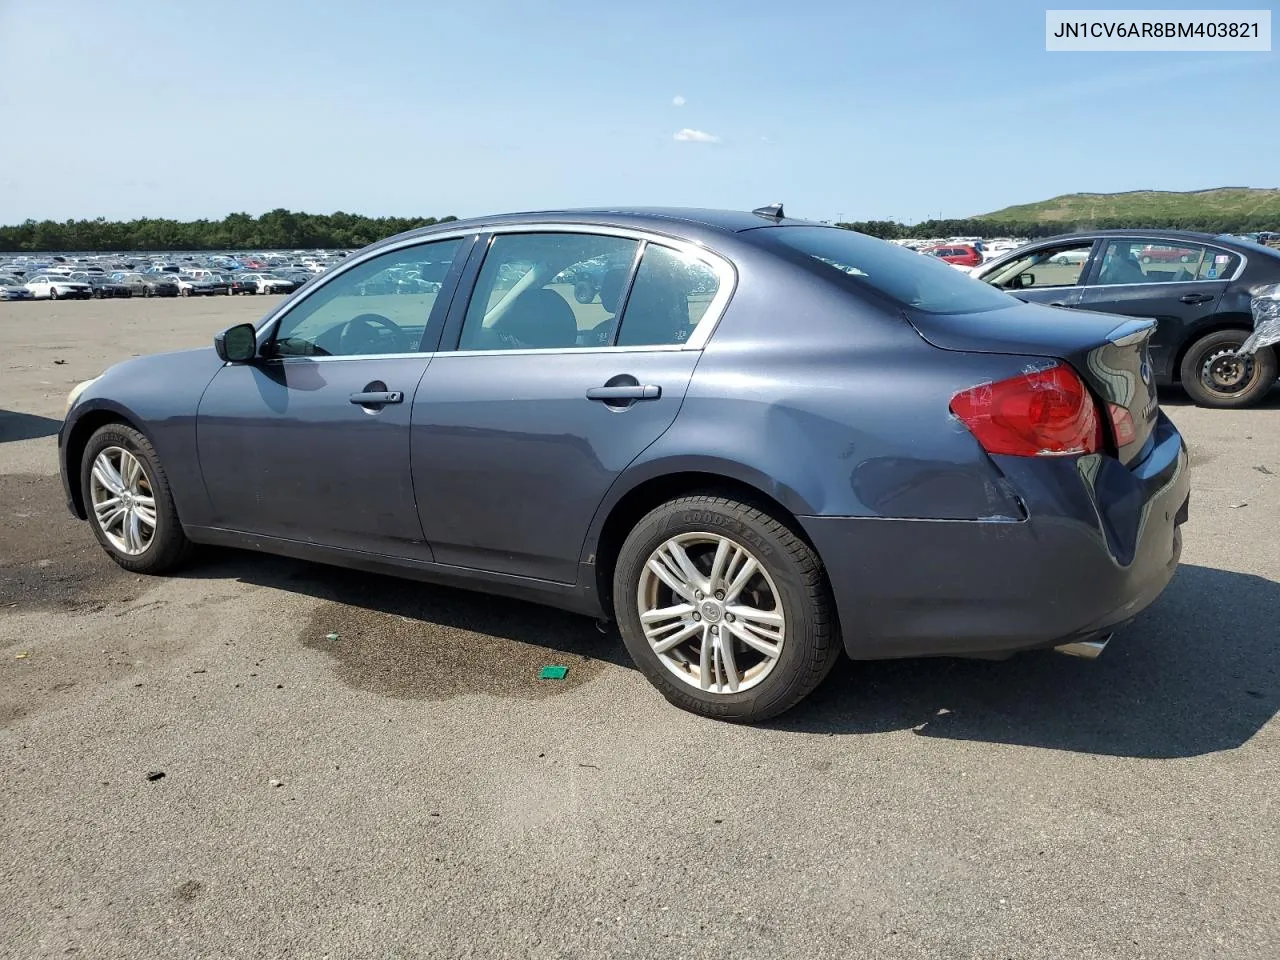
(1224, 373)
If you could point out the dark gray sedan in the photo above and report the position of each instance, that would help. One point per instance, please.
(761, 442)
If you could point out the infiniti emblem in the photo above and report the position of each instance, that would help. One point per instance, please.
(711, 610)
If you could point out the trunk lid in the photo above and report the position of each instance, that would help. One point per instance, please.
(1110, 353)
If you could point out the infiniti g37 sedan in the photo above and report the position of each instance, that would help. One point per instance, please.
(761, 442)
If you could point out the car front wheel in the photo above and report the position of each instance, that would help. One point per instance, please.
(1215, 375)
(724, 609)
(129, 503)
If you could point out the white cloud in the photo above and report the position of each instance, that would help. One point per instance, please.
(677, 101)
(696, 136)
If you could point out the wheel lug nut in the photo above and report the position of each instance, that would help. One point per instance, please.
(697, 594)
(719, 594)
(697, 616)
(729, 617)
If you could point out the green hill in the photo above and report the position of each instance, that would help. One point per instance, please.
(1148, 207)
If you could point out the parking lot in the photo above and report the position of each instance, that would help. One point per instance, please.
(411, 788)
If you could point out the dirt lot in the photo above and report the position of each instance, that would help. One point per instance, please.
(411, 790)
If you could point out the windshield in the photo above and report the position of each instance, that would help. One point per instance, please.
(907, 278)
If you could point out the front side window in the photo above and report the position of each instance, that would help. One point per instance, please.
(540, 291)
(379, 306)
(886, 269)
(1057, 266)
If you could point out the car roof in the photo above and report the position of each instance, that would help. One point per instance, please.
(691, 220)
(1137, 233)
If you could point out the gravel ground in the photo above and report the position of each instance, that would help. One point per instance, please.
(411, 789)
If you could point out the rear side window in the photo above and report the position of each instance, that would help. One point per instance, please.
(1139, 261)
(1218, 264)
(547, 291)
(886, 269)
(670, 294)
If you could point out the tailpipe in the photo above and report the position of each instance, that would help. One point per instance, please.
(1089, 649)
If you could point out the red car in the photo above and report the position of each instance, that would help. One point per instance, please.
(960, 254)
(1167, 255)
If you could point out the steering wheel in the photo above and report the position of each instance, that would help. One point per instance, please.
(360, 335)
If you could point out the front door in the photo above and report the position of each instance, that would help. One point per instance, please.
(311, 442)
(520, 432)
(1179, 285)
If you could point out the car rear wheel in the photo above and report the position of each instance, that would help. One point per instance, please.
(1214, 375)
(53, 293)
(724, 609)
(128, 501)
(186, 291)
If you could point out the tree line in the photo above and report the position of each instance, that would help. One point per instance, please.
(285, 230)
(1032, 229)
(278, 230)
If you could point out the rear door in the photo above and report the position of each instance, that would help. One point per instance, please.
(1049, 274)
(519, 432)
(1177, 284)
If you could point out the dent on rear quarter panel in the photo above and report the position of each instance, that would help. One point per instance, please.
(840, 405)
(160, 394)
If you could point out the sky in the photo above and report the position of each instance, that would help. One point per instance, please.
(842, 110)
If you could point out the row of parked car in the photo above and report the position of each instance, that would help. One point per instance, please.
(83, 286)
(192, 275)
(970, 252)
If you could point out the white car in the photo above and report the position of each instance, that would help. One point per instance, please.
(47, 287)
(266, 283)
(1070, 256)
(191, 286)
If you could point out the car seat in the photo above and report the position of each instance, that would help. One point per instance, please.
(539, 319)
(610, 292)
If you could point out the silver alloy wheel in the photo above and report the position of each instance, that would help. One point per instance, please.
(711, 612)
(123, 500)
(1225, 372)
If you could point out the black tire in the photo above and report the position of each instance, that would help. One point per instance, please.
(53, 293)
(169, 547)
(185, 291)
(1146, 259)
(1259, 371)
(812, 642)
(146, 291)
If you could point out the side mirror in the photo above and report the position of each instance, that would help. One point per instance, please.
(1024, 280)
(238, 344)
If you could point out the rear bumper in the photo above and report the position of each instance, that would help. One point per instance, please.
(1099, 544)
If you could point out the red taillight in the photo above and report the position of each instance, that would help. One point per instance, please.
(1046, 413)
(1122, 425)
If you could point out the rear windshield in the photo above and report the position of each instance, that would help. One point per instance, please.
(907, 278)
(1250, 245)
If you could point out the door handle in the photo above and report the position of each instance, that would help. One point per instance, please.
(372, 397)
(1057, 303)
(639, 391)
(1196, 298)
